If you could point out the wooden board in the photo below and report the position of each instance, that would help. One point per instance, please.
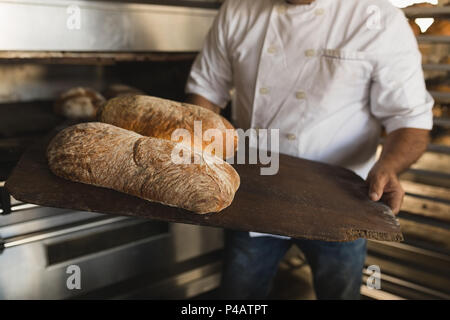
(305, 199)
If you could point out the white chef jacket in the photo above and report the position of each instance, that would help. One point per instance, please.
(328, 75)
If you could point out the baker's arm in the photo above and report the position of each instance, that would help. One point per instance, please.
(201, 101)
(401, 149)
(400, 101)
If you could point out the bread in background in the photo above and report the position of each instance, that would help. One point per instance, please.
(415, 28)
(79, 103)
(440, 27)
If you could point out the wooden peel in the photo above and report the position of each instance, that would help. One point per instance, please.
(306, 199)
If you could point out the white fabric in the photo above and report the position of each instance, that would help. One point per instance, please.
(327, 75)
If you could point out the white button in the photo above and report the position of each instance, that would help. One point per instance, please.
(310, 53)
(291, 136)
(272, 49)
(319, 12)
(281, 9)
(264, 91)
(300, 95)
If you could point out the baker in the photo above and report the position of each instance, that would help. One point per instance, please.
(329, 74)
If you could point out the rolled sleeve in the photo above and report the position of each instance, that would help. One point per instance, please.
(399, 98)
(211, 73)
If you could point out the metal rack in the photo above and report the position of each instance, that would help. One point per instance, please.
(418, 268)
(433, 12)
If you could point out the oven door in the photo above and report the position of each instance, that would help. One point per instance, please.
(52, 253)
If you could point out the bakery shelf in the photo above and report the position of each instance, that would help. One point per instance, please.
(427, 12)
(443, 97)
(444, 122)
(433, 39)
(436, 67)
(93, 57)
(434, 178)
(438, 148)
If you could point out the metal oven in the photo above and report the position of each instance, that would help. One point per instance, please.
(45, 50)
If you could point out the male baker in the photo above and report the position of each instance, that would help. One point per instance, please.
(329, 74)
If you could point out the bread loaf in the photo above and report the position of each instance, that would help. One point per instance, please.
(415, 28)
(156, 117)
(107, 156)
(440, 27)
(79, 103)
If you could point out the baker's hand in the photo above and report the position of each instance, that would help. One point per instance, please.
(384, 184)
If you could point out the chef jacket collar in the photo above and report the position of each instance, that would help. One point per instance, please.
(292, 8)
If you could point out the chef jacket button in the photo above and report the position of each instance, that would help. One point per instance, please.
(291, 136)
(319, 12)
(264, 91)
(272, 49)
(281, 9)
(300, 95)
(310, 53)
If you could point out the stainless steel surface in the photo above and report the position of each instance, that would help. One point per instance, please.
(152, 259)
(192, 282)
(44, 235)
(117, 256)
(103, 26)
(39, 246)
(34, 82)
(40, 218)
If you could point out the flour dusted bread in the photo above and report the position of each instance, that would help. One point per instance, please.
(107, 156)
(156, 117)
(79, 103)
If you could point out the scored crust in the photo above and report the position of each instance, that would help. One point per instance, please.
(107, 156)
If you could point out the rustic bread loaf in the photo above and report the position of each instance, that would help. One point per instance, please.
(415, 28)
(79, 103)
(440, 27)
(107, 156)
(156, 117)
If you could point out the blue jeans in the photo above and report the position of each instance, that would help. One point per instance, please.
(251, 264)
